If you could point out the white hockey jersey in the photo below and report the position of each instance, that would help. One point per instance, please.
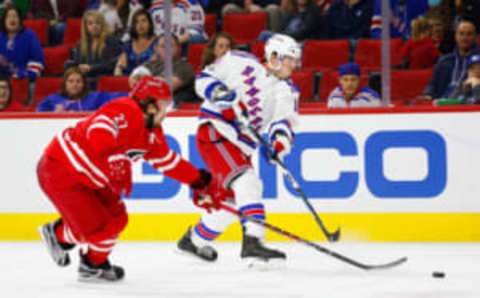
(272, 103)
(180, 17)
(197, 19)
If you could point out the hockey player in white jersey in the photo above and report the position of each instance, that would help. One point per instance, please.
(239, 91)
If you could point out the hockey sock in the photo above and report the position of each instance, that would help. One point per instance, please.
(257, 211)
(64, 235)
(98, 252)
(202, 235)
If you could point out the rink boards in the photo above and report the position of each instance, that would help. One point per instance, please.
(389, 176)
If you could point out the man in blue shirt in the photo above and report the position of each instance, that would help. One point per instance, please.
(451, 69)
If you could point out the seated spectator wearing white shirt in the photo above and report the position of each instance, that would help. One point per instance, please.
(108, 8)
(350, 93)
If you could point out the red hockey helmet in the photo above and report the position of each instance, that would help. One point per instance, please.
(148, 88)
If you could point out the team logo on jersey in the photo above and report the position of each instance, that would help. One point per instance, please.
(120, 121)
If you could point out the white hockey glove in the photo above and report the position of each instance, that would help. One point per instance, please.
(233, 108)
(221, 95)
(280, 146)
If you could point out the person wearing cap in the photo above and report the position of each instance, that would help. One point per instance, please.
(351, 93)
(469, 90)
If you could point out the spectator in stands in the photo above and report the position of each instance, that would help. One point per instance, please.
(180, 19)
(350, 93)
(469, 90)
(141, 48)
(125, 10)
(57, 12)
(213, 6)
(92, 4)
(348, 19)
(108, 8)
(450, 69)
(98, 50)
(5, 93)
(183, 74)
(22, 5)
(454, 11)
(221, 43)
(436, 20)
(74, 95)
(196, 27)
(323, 4)
(301, 20)
(420, 51)
(21, 54)
(270, 7)
(95, 4)
(402, 13)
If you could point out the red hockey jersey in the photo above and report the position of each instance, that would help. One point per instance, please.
(116, 127)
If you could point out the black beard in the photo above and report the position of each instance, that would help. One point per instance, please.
(149, 121)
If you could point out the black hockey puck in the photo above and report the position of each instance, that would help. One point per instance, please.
(438, 274)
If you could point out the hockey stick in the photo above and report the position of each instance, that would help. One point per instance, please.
(312, 244)
(332, 237)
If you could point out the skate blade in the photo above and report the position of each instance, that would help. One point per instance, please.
(263, 265)
(97, 280)
(59, 260)
(47, 245)
(40, 231)
(192, 256)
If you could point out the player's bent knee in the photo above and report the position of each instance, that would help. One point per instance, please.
(248, 188)
(110, 230)
(119, 223)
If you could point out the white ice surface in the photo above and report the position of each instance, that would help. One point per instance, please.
(155, 269)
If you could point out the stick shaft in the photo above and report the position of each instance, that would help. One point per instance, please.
(330, 236)
(311, 244)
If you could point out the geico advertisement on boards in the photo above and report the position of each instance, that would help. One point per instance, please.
(344, 163)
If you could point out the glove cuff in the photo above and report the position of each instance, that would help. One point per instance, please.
(281, 143)
(118, 156)
(222, 93)
(203, 179)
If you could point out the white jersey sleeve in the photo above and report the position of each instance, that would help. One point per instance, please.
(285, 118)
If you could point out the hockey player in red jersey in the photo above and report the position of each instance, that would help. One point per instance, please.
(86, 168)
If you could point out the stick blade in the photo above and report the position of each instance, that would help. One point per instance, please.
(334, 237)
(386, 265)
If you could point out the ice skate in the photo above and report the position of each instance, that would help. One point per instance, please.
(88, 272)
(206, 253)
(256, 255)
(57, 250)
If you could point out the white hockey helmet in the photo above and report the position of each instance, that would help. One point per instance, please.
(282, 45)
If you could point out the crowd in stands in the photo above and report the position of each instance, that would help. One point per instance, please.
(84, 45)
